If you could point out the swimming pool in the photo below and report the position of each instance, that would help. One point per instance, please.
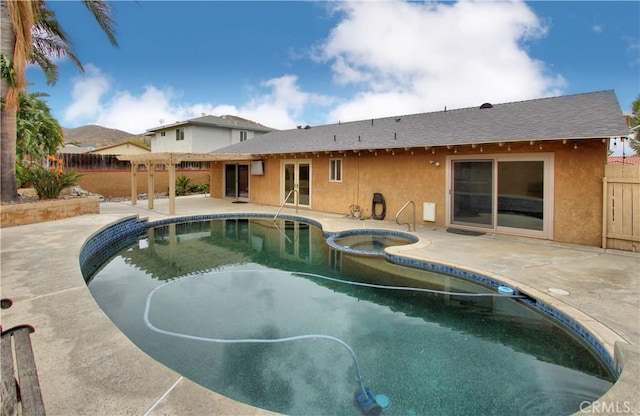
(240, 278)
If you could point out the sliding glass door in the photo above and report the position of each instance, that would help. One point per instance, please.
(521, 195)
(236, 181)
(472, 192)
(503, 193)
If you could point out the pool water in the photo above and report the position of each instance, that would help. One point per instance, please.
(430, 354)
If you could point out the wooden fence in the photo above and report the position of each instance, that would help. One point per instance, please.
(93, 162)
(621, 207)
(107, 176)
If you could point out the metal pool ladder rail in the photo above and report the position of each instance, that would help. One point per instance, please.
(284, 202)
(414, 215)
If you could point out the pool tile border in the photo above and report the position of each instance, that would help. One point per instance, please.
(547, 310)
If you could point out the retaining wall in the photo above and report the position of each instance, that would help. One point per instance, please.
(49, 210)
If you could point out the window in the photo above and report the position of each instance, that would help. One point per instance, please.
(163, 133)
(335, 174)
(179, 134)
(243, 135)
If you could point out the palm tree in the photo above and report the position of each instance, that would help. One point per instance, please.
(17, 20)
(31, 33)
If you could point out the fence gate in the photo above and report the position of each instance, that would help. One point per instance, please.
(621, 207)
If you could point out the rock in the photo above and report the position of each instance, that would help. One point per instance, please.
(27, 193)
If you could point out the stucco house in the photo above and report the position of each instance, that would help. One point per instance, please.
(126, 148)
(530, 168)
(203, 134)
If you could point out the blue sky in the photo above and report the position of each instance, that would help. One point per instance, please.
(290, 63)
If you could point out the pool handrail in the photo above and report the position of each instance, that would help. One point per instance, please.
(406, 204)
(284, 202)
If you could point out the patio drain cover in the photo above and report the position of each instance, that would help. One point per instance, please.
(556, 291)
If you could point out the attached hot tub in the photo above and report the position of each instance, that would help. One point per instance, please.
(371, 242)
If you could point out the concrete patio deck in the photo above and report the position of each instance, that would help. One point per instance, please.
(87, 366)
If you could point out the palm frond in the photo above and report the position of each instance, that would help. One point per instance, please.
(50, 39)
(45, 62)
(101, 10)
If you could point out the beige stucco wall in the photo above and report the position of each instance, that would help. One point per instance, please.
(401, 176)
(578, 193)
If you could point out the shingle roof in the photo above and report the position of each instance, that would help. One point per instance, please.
(581, 116)
(227, 121)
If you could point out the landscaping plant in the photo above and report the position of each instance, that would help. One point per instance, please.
(183, 184)
(49, 182)
(185, 187)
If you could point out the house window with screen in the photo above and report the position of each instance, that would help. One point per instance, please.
(179, 134)
(335, 170)
(163, 133)
(243, 135)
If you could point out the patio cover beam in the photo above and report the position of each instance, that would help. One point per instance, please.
(177, 158)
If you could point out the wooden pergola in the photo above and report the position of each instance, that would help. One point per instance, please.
(150, 160)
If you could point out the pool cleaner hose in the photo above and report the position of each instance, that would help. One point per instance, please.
(364, 396)
(370, 404)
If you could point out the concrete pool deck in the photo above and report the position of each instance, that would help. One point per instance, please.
(87, 366)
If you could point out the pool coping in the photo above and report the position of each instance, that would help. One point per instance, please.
(138, 384)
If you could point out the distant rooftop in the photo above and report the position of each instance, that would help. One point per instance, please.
(227, 121)
(625, 160)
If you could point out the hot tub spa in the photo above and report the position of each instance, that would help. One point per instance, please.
(369, 242)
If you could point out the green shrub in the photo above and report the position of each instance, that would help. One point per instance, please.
(184, 187)
(49, 182)
(183, 184)
(199, 188)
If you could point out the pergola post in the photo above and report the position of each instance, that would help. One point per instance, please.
(151, 160)
(212, 166)
(172, 188)
(134, 183)
(151, 167)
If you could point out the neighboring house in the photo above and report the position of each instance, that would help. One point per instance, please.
(70, 148)
(530, 168)
(203, 134)
(625, 160)
(126, 148)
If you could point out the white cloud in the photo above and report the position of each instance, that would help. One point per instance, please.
(597, 28)
(278, 103)
(94, 101)
(416, 57)
(86, 93)
(283, 106)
